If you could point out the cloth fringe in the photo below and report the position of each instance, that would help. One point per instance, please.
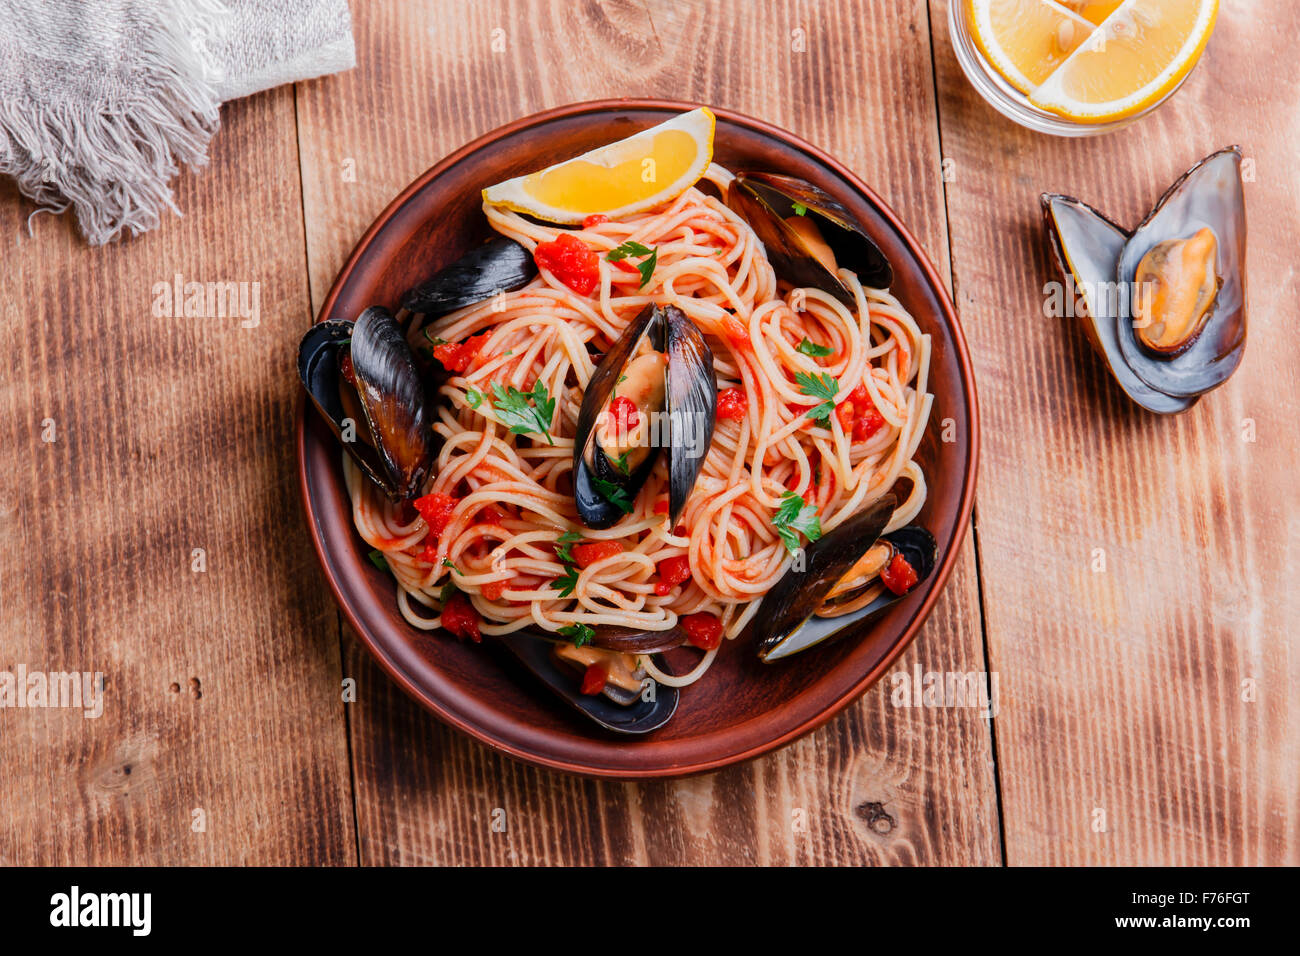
(112, 162)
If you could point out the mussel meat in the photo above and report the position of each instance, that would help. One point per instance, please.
(808, 235)
(630, 703)
(838, 569)
(499, 265)
(655, 389)
(1167, 304)
(362, 378)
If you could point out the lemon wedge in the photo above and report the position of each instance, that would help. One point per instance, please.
(1025, 40)
(1137, 56)
(642, 171)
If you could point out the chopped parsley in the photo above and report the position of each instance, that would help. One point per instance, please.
(580, 634)
(621, 462)
(800, 209)
(562, 545)
(634, 248)
(567, 581)
(796, 515)
(447, 593)
(821, 386)
(474, 398)
(616, 495)
(378, 560)
(433, 338)
(809, 347)
(513, 408)
(446, 563)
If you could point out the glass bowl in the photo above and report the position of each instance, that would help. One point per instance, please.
(1013, 104)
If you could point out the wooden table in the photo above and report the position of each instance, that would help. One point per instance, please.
(1146, 712)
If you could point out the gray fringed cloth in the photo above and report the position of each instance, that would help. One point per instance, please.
(101, 100)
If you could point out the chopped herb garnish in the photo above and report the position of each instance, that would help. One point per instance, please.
(580, 634)
(621, 462)
(616, 495)
(793, 516)
(808, 347)
(475, 398)
(562, 545)
(800, 209)
(513, 408)
(621, 380)
(821, 386)
(378, 560)
(433, 338)
(446, 563)
(633, 248)
(445, 595)
(568, 581)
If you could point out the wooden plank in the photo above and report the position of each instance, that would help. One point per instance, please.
(171, 434)
(853, 77)
(1128, 693)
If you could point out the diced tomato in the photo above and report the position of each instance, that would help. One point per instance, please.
(436, 510)
(661, 506)
(593, 681)
(430, 553)
(868, 423)
(680, 531)
(460, 618)
(626, 416)
(585, 555)
(493, 589)
(732, 404)
(594, 220)
(703, 630)
(458, 356)
(672, 572)
(489, 514)
(899, 576)
(734, 331)
(860, 397)
(845, 414)
(571, 261)
(345, 369)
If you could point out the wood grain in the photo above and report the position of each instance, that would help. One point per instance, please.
(171, 434)
(1128, 692)
(878, 784)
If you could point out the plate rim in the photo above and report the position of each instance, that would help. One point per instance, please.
(962, 526)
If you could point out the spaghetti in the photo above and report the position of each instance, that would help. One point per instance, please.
(510, 531)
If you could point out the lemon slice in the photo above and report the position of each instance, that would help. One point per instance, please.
(1141, 52)
(1094, 11)
(1025, 40)
(644, 170)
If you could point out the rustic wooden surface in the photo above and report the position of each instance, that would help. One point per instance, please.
(1122, 734)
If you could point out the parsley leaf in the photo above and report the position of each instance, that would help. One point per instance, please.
(621, 462)
(793, 516)
(633, 248)
(513, 408)
(821, 386)
(800, 209)
(378, 560)
(808, 347)
(474, 398)
(616, 495)
(446, 594)
(446, 563)
(562, 545)
(567, 582)
(579, 633)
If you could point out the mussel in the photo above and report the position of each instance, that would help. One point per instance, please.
(655, 389)
(837, 569)
(499, 265)
(630, 703)
(808, 235)
(362, 378)
(1167, 304)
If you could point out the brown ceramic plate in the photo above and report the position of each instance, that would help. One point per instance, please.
(741, 708)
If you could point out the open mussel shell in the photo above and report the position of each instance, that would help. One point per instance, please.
(1086, 246)
(787, 623)
(319, 354)
(1208, 197)
(685, 423)
(500, 265)
(770, 203)
(632, 713)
